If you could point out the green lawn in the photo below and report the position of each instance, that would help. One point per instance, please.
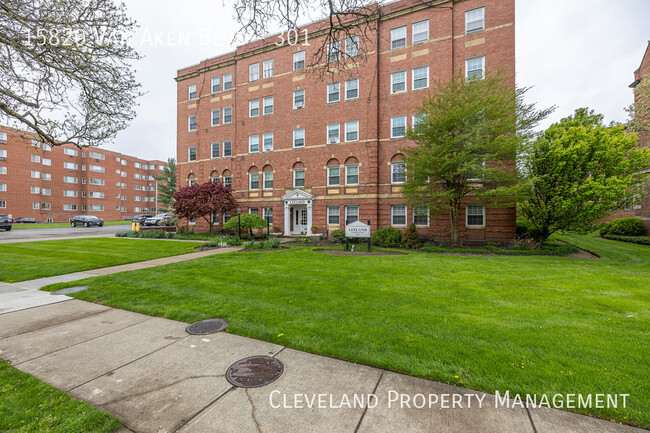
(28, 405)
(525, 324)
(29, 260)
(55, 225)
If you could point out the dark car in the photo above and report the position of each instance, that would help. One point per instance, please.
(156, 220)
(26, 221)
(86, 221)
(5, 222)
(140, 218)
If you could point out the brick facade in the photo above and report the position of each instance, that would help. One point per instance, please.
(48, 183)
(643, 209)
(371, 151)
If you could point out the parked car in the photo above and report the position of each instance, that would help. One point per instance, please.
(5, 222)
(86, 221)
(26, 221)
(156, 220)
(140, 218)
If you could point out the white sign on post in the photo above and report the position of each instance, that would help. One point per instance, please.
(357, 229)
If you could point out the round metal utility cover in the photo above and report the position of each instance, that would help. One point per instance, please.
(69, 290)
(208, 326)
(254, 371)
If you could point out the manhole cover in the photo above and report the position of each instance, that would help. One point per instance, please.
(69, 290)
(208, 326)
(254, 371)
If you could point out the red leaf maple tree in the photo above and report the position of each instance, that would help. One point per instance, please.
(202, 201)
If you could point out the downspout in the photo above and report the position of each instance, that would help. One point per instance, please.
(378, 71)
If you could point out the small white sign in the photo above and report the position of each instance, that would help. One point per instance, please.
(357, 229)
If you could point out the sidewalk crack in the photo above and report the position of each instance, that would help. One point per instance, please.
(374, 391)
(250, 400)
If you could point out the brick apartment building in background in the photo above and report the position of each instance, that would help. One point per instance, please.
(643, 209)
(54, 183)
(304, 152)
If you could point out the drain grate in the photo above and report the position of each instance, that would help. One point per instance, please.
(69, 290)
(254, 371)
(208, 326)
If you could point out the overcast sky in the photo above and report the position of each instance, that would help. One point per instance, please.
(574, 53)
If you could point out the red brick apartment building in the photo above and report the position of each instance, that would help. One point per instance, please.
(54, 183)
(305, 152)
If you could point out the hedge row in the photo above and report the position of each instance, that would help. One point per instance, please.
(641, 240)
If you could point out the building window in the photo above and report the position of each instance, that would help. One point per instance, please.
(421, 78)
(36, 205)
(70, 165)
(47, 161)
(397, 126)
(352, 130)
(268, 215)
(299, 178)
(227, 115)
(36, 158)
(254, 181)
(253, 108)
(475, 215)
(398, 215)
(96, 155)
(475, 20)
(191, 123)
(191, 90)
(97, 168)
(333, 49)
(191, 153)
(70, 152)
(420, 32)
(227, 148)
(215, 117)
(268, 180)
(398, 172)
(227, 182)
(333, 92)
(268, 105)
(216, 84)
(214, 147)
(3, 153)
(3, 186)
(69, 207)
(333, 215)
(475, 68)
(267, 141)
(253, 211)
(351, 174)
(299, 137)
(46, 147)
(254, 72)
(298, 99)
(253, 143)
(352, 89)
(69, 179)
(398, 82)
(70, 193)
(298, 60)
(36, 174)
(398, 38)
(352, 46)
(333, 176)
(267, 68)
(47, 191)
(3, 204)
(351, 214)
(3, 170)
(3, 137)
(333, 133)
(47, 206)
(227, 81)
(99, 207)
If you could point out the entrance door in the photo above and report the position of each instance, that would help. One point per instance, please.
(300, 220)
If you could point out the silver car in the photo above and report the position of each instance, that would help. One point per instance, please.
(156, 220)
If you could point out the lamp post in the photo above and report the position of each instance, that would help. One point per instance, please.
(239, 221)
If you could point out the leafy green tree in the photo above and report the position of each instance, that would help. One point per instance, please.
(248, 221)
(467, 136)
(577, 172)
(167, 188)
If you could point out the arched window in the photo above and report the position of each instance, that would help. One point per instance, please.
(397, 169)
(352, 171)
(191, 179)
(267, 172)
(226, 179)
(333, 172)
(214, 176)
(298, 175)
(253, 178)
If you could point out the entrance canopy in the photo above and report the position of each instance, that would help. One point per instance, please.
(297, 212)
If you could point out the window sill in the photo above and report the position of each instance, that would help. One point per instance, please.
(475, 227)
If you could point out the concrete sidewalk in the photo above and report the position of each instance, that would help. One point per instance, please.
(157, 378)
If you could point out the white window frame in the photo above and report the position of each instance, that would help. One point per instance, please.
(229, 147)
(393, 75)
(396, 35)
(334, 89)
(331, 167)
(467, 63)
(338, 135)
(347, 213)
(337, 210)
(212, 148)
(394, 172)
(296, 133)
(471, 20)
(392, 126)
(303, 177)
(333, 51)
(267, 72)
(347, 88)
(265, 175)
(250, 180)
(191, 120)
(191, 92)
(36, 205)
(265, 104)
(217, 118)
(253, 105)
(467, 206)
(299, 56)
(253, 140)
(189, 154)
(348, 126)
(413, 33)
(352, 42)
(347, 174)
(224, 115)
(304, 99)
(253, 72)
(393, 215)
(215, 82)
(36, 158)
(265, 136)
(413, 79)
(227, 79)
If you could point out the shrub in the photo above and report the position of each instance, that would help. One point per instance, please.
(146, 234)
(185, 230)
(526, 230)
(338, 236)
(623, 227)
(387, 237)
(411, 237)
(641, 240)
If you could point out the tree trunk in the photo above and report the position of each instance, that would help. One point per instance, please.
(453, 218)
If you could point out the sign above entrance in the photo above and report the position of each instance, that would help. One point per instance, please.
(294, 202)
(357, 229)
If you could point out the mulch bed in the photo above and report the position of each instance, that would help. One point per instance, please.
(252, 250)
(360, 253)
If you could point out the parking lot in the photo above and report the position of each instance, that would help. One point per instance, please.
(60, 232)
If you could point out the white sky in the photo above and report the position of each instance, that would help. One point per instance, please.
(574, 53)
